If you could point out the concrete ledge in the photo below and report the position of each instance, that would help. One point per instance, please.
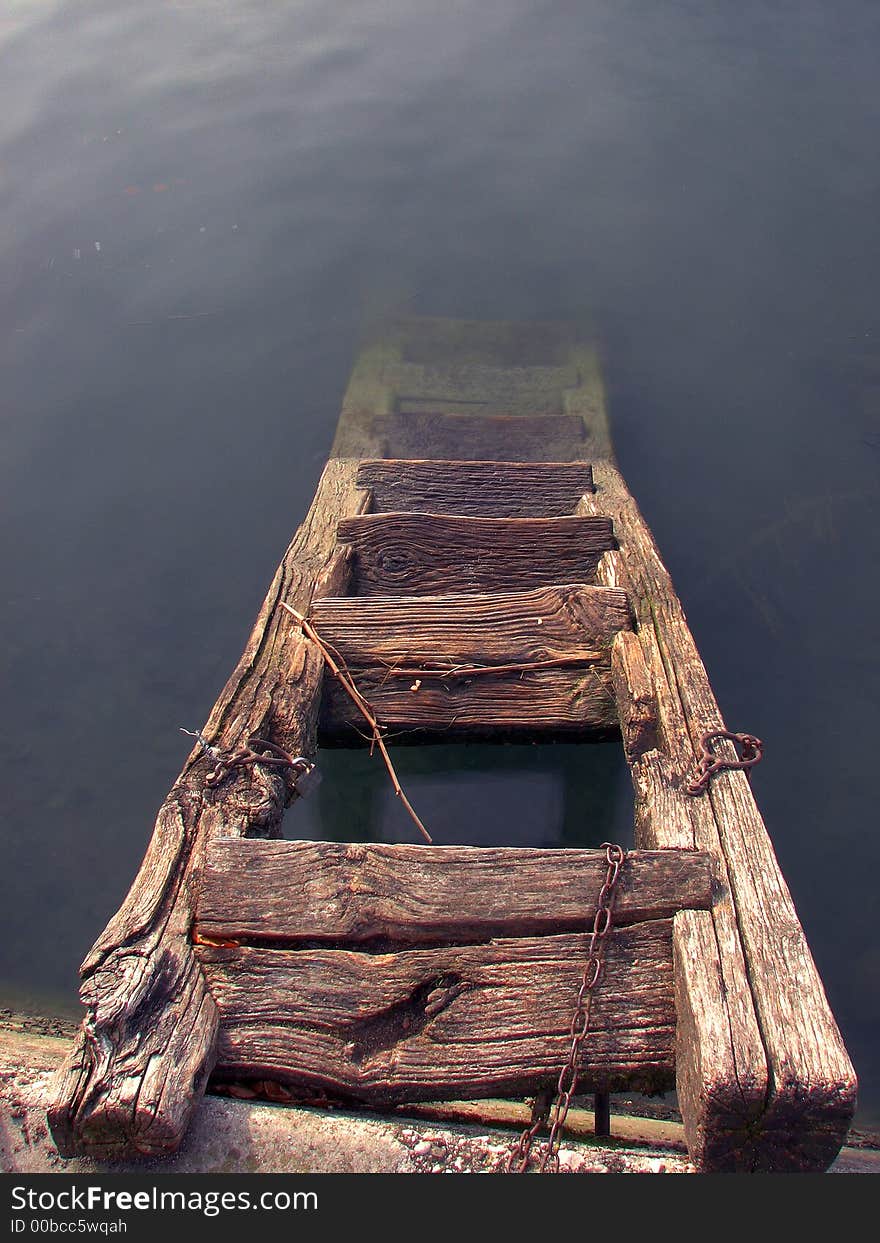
(234, 1137)
(237, 1137)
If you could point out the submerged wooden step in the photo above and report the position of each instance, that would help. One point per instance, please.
(475, 664)
(477, 489)
(290, 892)
(481, 436)
(522, 389)
(433, 554)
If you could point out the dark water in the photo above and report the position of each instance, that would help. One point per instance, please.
(202, 205)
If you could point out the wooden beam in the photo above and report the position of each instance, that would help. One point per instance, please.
(764, 1078)
(147, 1046)
(436, 554)
(481, 665)
(347, 893)
(568, 621)
(458, 1021)
(477, 489)
(567, 703)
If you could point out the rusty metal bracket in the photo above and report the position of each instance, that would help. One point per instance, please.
(750, 751)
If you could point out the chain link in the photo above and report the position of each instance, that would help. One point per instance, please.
(521, 1153)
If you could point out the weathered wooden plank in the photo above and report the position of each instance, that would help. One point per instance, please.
(478, 437)
(569, 620)
(435, 554)
(476, 665)
(791, 1096)
(345, 893)
(147, 1045)
(570, 703)
(451, 1022)
(478, 489)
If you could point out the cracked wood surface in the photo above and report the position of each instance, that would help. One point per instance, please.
(764, 1079)
(478, 489)
(258, 892)
(443, 1023)
(397, 648)
(568, 620)
(409, 554)
(148, 1043)
(557, 704)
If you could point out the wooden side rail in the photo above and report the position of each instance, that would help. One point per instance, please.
(764, 1079)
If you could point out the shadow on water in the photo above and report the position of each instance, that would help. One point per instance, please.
(563, 794)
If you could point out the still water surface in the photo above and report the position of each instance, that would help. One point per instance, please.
(203, 204)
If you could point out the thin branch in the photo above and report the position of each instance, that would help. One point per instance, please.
(337, 667)
(472, 671)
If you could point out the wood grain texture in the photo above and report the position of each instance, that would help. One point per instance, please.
(783, 1089)
(440, 632)
(634, 695)
(147, 1045)
(477, 489)
(392, 644)
(450, 1022)
(553, 704)
(346, 893)
(437, 554)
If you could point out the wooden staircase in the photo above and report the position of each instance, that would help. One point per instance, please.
(386, 974)
(477, 563)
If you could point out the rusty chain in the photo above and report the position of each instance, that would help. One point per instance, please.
(256, 751)
(751, 752)
(521, 1153)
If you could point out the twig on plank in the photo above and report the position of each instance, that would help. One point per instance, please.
(472, 671)
(336, 666)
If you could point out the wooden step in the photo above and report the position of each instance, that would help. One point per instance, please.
(453, 1022)
(435, 554)
(352, 894)
(482, 1006)
(477, 489)
(477, 436)
(508, 663)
